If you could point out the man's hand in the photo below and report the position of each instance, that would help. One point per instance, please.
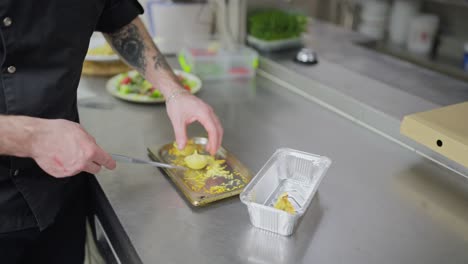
(62, 148)
(186, 109)
(134, 44)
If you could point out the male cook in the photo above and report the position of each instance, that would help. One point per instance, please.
(46, 157)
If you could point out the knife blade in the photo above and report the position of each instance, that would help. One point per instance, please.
(127, 159)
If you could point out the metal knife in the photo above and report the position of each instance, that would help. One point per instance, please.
(127, 159)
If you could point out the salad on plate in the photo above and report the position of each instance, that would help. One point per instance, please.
(132, 86)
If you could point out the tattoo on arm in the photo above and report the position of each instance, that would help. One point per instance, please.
(160, 62)
(128, 42)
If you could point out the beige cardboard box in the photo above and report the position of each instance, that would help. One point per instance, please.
(444, 130)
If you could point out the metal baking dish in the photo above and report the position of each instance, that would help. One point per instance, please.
(288, 171)
(202, 197)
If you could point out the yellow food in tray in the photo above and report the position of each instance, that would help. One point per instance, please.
(206, 173)
(284, 204)
(101, 50)
(196, 161)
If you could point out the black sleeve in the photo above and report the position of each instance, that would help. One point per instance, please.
(118, 13)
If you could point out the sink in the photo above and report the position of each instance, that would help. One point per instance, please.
(444, 65)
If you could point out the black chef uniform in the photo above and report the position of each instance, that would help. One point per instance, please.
(42, 47)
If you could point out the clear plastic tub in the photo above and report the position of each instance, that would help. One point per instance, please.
(288, 171)
(215, 63)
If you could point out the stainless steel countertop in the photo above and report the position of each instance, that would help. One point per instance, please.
(379, 202)
(339, 46)
(373, 78)
(370, 88)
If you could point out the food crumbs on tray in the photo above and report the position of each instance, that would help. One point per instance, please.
(284, 204)
(206, 173)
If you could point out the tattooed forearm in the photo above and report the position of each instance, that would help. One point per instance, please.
(128, 42)
(160, 62)
(135, 45)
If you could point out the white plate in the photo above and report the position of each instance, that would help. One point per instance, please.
(97, 39)
(112, 88)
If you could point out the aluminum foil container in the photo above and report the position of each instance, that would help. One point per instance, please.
(288, 171)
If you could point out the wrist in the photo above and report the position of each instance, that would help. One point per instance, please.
(17, 135)
(31, 133)
(176, 94)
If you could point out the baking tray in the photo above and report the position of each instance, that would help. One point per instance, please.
(201, 197)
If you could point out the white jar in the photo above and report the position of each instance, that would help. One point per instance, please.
(400, 16)
(371, 31)
(375, 9)
(421, 33)
(374, 18)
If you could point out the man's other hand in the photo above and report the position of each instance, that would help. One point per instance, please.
(63, 148)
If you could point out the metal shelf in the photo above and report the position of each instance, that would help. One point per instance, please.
(461, 3)
(440, 64)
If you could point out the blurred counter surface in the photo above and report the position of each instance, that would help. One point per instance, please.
(370, 77)
(379, 202)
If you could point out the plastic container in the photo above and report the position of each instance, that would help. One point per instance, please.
(374, 18)
(374, 21)
(288, 171)
(375, 9)
(216, 63)
(421, 33)
(275, 45)
(371, 31)
(377, 15)
(400, 16)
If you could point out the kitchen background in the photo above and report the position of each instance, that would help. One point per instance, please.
(451, 37)
(447, 49)
(390, 192)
